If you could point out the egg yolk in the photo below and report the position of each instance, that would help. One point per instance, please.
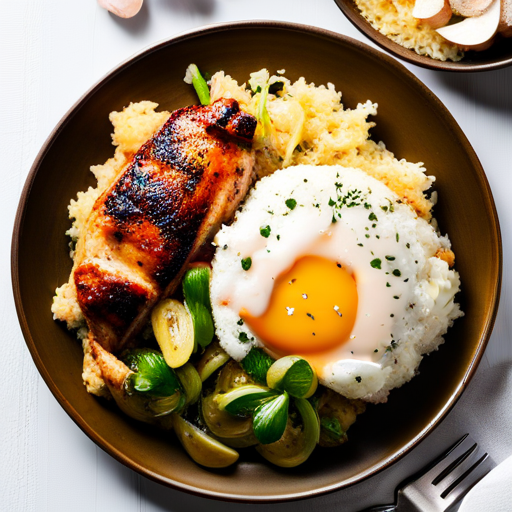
(312, 308)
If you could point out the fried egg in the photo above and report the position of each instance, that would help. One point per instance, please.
(328, 263)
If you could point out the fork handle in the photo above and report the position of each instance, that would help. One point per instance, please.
(381, 508)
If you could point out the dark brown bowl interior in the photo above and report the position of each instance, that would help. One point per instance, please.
(498, 56)
(412, 122)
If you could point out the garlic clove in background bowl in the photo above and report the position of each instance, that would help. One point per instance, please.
(474, 32)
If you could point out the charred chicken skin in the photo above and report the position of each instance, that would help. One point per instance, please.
(177, 190)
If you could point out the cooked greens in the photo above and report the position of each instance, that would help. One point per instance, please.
(294, 375)
(193, 76)
(270, 419)
(256, 363)
(152, 375)
(152, 385)
(213, 358)
(201, 447)
(297, 442)
(196, 289)
(242, 401)
(174, 331)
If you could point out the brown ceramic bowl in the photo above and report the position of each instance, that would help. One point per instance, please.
(413, 123)
(496, 57)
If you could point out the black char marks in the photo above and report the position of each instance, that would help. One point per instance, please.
(116, 299)
(173, 195)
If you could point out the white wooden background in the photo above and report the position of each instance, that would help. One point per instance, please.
(51, 52)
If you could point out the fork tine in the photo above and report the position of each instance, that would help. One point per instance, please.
(442, 465)
(459, 468)
(477, 472)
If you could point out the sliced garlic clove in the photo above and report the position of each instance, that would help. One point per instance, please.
(435, 13)
(474, 33)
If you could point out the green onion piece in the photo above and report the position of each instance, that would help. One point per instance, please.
(294, 375)
(213, 358)
(311, 425)
(165, 405)
(201, 447)
(152, 375)
(242, 401)
(196, 289)
(191, 382)
(262, 113)
(300, 380)
(256, 363)
(270, 418)
(199, 83)
(259, 83)
(288, 454)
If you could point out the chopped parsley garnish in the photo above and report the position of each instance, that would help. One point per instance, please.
(372, 216)
(397, 237)
(331, 202)
(244, 338)
(332, 428)
(397, 272)
(388, 285)
(390, 258)
(240, 322)
(278, 237)
(408, 245)
(358, 379)
(265, 231)
(291, 203)
(376, 263)
(246, 263)
(385, 208)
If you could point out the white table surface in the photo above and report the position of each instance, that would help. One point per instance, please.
(51, 52)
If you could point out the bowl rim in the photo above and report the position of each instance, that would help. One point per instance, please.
(410, 55)
(69, 408)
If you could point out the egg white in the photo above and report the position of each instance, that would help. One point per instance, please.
(344, 215)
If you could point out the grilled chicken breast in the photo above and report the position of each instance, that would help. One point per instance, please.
(177, 190)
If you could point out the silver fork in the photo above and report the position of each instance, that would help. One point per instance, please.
(445, 482)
